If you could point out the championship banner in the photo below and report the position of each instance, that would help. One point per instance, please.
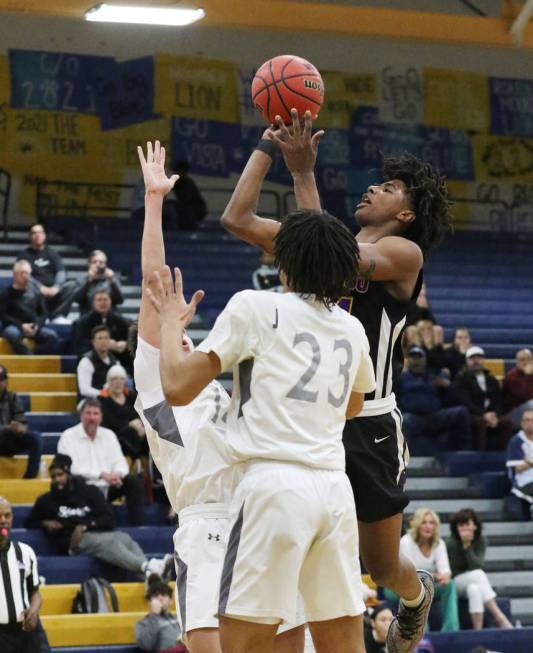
(125, 93)
(196, 88)
(343, 93)
(448, 150)
(504, 158)
(401, 95)
(511, 102)
(55, 80)
(455, 99)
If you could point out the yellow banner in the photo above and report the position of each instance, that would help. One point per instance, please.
(196, 88)
(5, 81)
(343, 93)
(504, 158)
(458, 100)
(121, 144)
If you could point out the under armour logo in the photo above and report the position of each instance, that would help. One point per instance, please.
(213, 537)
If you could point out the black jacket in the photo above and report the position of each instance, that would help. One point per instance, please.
(22, 306)
(46, 265)
(468, 392)
(117, 324)
(79, 504)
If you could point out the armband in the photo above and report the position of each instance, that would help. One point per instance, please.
(267, 146)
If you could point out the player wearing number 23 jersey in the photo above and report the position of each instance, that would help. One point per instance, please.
(295, 364)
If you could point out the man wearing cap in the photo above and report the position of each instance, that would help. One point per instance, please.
(426, 407)
(477, 389)
(80, 521)
(14, 435)
(20, 599)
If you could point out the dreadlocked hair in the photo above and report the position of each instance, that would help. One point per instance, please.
(318, 254)
(429, 198)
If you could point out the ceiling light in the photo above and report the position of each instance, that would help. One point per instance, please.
(143, 15)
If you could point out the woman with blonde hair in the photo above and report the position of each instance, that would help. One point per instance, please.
(423, 545)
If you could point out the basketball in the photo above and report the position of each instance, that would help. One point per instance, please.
(284, 83)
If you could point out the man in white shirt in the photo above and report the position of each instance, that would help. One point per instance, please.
(301, 365)
(96, 455)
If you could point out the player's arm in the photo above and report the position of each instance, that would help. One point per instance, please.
(355, 404)
(299, 147)
(182, 377)
(240, 217)
(390, 259)
(157, 185)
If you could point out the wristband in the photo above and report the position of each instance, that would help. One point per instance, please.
(267, 146)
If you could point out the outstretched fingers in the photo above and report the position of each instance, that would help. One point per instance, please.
(149, 152)
(140, 154)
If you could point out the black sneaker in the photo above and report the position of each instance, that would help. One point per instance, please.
(407, 629)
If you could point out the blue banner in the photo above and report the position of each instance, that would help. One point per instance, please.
(450, 150)
(511, 104)
(55, 81)
(125, 93)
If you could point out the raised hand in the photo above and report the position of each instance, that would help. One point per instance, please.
(167, 298)
(297, 143)
(153, 167)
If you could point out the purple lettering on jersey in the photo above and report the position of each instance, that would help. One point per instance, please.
(346, 303)
(362, 285)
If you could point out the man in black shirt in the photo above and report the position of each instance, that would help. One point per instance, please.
(23, 314)
(14, 435)
(48, 272)
(78, 518)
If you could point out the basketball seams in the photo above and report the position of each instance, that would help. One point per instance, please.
(292, 90)
(289, 77)
(287, 110)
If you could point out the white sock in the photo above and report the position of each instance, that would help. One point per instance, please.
(414, 603)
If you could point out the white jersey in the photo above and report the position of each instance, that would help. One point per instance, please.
(187, 443)
(295, 364)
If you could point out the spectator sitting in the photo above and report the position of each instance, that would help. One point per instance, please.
(454, 356)
(79, 520)
(159, 630)
(419, 311)
(466, 550)
(479, 390)
(95, 364)
(96, 455)
(120, 416)
(422, 397)
(520, 469)
(14, 435)
(48, 272)
(376, 632)
(266, 276)
(191, 208)
(99, 277)
(518, 387)
(424, 547)
(430, 337)
(23, 314)
(102, 313)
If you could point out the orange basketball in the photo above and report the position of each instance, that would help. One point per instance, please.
(284, 83)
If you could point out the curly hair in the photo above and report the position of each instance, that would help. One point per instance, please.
(428, 196)
(318, 254)
(463, 516)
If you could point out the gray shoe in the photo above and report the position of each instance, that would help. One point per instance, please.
(407, 629)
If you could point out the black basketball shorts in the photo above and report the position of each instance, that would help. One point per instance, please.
(376, 458)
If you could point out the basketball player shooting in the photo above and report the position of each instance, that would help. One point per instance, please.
(400, 221)
(188, 445)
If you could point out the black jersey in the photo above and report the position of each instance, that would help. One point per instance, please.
(384, 318)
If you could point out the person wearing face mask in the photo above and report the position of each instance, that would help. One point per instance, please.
(376, 633)
(159, 630)
(80, 521)
(423, 545)
(466, 548)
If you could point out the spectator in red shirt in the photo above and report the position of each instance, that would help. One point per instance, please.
(518, 387)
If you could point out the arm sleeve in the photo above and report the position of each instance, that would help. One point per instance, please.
(460, 391)
(442, 561)
(85, 376)
(365, 380)
(116, 459)
(116, 291)
(80, 467)
(232, 337)
(515, 453)
(37, 515)
(32, 574)
(18, 410)
(475, 555)
(102, 517)
(60, 275)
